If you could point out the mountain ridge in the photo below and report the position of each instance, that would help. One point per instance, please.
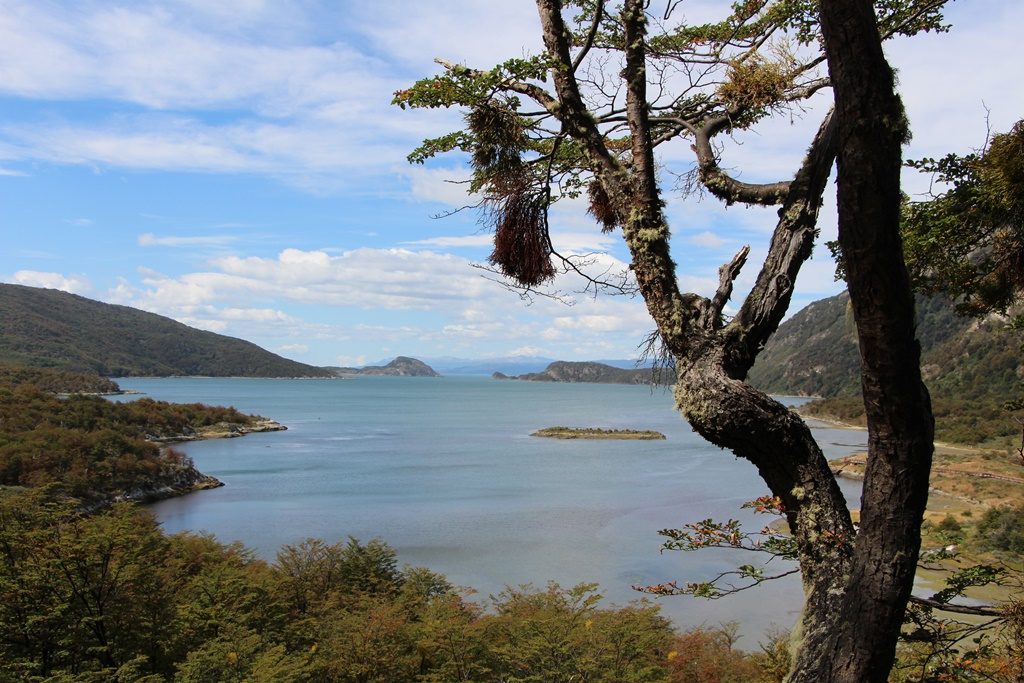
(49, 328)
(587, 371)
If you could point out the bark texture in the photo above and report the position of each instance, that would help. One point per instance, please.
(872, 130)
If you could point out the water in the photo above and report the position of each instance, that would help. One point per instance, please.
(445, 471)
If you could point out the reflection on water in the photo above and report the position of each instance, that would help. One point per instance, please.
(446, 472)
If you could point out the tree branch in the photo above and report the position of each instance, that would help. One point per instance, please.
(768, 300)
(535, 92)
(728, 273)
(598, 15)
(976, 610)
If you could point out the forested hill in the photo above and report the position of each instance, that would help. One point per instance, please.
(815, 353)
(49, 328)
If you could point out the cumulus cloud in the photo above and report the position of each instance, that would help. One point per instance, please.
(367, 293)
(74, 284)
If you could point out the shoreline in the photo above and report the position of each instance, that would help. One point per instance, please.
(223, 430)
(189, 479)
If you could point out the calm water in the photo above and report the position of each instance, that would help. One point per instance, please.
(445, 471)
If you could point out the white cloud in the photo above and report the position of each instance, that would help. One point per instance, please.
(74, 284)
(293, 348)
(528, 351)
(148, 239)
(487, 33)
(478, 240)
(446, 185)
(261, 315)
(706, 239)
(162, 57)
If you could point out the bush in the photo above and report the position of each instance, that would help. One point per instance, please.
(1002, 529)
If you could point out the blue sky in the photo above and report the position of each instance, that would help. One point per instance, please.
(237, 166)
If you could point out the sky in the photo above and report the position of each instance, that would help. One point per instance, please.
(238, 166)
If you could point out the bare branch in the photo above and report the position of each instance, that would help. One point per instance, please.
(976, 610)
(768, 300)
(727, 274)
(598, 15)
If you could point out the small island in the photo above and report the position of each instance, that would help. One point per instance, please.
(598, 433)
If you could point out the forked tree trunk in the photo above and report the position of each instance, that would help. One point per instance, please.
(855, 592)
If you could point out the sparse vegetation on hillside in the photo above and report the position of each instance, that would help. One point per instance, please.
(972, 367)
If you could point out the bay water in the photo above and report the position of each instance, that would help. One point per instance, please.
(446, 472)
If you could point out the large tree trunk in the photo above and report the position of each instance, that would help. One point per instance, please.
(855, 591)
(872, 130)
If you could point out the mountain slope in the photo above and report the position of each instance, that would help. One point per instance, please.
(598, 373)
(49, 328)
(815, 353)
(972, 367)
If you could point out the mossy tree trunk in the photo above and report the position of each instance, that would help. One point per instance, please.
(841, 631)
(872, 130)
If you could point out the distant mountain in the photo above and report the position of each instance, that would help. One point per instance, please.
(506, 365)
(510, 365)
(53, 329)
(815, 353)
(402, 366)
(598, 373)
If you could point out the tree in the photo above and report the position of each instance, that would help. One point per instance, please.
(872, 130)
(968, 242)
(617, 95)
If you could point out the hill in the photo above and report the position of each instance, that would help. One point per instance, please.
(814, 353)
(598, 373)
(970, 366)
(52, 329)
(58, 381)
(402, 366)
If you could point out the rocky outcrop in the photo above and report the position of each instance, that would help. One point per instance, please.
(402, 366)
(178, 482)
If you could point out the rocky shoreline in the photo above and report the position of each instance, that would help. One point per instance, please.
(182, 479)
(222, 430)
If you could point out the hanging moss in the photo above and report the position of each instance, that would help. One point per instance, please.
(522, 249)
(601, 207)
(498, 142)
